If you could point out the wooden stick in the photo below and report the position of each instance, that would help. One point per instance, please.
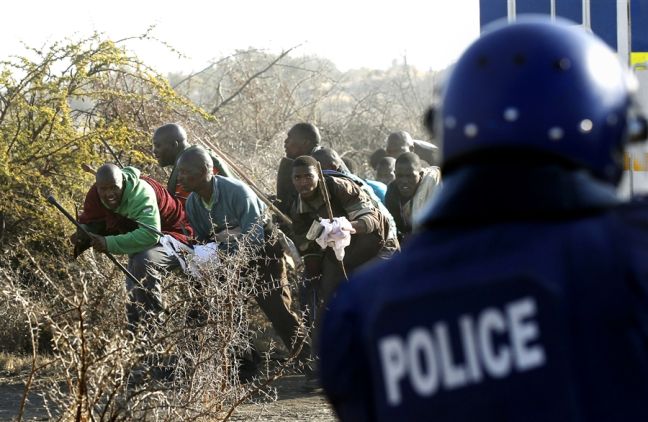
(88, 169)
(110, 256)
(329, 209)
(247, 180)
(121, 166)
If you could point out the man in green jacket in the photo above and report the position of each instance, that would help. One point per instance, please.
(126, 215)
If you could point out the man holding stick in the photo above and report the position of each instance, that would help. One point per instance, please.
(125, 214)
(228, 211)
(368, 227)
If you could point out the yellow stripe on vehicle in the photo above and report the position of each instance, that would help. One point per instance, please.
(639, 161)
(639, 60)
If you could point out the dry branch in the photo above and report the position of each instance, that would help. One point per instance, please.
(250, 79)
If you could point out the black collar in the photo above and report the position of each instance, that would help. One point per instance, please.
(490, 193)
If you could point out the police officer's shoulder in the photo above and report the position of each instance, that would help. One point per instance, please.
(382, 276)
(634, 211)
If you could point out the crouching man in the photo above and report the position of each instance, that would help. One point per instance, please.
(369, 227)
(227, 210)
(126, 214)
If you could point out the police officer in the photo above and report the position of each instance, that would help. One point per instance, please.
(524, 296)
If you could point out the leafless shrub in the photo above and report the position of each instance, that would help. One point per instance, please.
(183, 364)
(256, 97)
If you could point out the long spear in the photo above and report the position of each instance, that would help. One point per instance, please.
(112, 152)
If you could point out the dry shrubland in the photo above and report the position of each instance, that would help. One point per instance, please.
(62, 107)
(182, 364)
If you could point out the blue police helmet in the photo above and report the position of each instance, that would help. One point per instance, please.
(538, 85)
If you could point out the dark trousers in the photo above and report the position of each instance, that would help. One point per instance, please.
(323, 279)
(363, 248)
(274, 296)
(145, 297)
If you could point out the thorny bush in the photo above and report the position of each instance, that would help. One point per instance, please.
(182, 365)
(60, 106)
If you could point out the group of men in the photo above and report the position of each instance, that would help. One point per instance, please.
(526, 301)
(204, 201)
(312, 178)
(126, 213)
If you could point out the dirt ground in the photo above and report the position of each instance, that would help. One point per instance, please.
(11, 393)
(298, 401)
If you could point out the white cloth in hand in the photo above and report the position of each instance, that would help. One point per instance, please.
(191, 260)
(336, 235)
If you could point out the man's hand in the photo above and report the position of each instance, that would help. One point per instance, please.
(98, 243)
(359, 227)
(315, 230)
(336, 235)
(78, 238)
(80, 241)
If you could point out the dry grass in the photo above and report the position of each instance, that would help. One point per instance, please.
(14, 364)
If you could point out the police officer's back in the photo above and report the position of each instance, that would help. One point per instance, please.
(525, 295)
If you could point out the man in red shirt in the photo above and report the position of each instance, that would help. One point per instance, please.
(127, 214)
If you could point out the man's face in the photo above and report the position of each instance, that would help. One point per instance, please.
(385, 173)
(192, 176)
(407, 179)
(328, 163)
(305, 180)
(396, 147)
(295, 146)
(165, 150)
(110, 192)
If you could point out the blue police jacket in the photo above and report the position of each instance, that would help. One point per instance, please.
(523, 299)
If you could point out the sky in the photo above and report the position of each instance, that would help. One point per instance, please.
(352, 33)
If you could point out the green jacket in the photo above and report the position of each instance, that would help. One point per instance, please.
(140, 205)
